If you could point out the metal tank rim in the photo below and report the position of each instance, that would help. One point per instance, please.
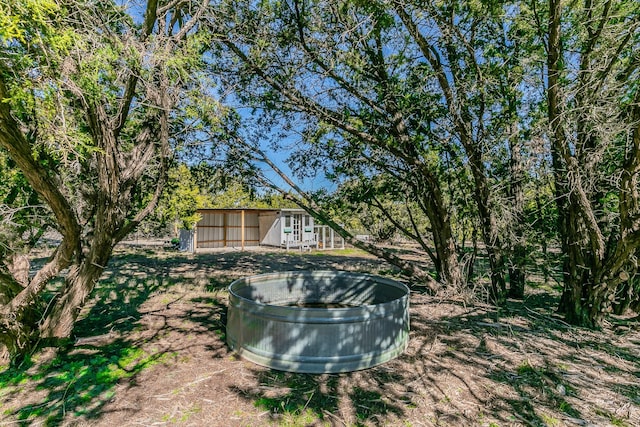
(315, 273)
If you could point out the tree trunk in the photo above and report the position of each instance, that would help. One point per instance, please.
(99, 195)
(573, 298)
(449, 270)
(493, 244)
(471, 261)
(577, 277)
(517, 266)
(497, 273)
(78, 286)
(626, 294)
(594, 267)
(18, 333)
(9, 288)
(517, 275)
(448, 266)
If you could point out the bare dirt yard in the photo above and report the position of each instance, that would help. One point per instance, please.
(150, 350)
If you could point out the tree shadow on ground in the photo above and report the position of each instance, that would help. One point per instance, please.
(299, 399)
(535, 364)
(283, 394)
(110, 343)
(80, 379)
(241, 264)
(214, 319)
(109, 346)
(519, 365)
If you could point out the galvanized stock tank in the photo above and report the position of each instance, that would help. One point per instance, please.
(318, 321)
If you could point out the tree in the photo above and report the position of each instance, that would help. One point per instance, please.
(593, 105)
(420, 93)
(89, 95)
(179, 202)
(475, 63)
(23, 221)
(347, 98)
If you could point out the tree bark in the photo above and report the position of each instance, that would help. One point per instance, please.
(571, 302)
(448, 266)
(593, 268)
(517, 266)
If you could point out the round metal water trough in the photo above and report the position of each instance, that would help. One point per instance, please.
(318, 321)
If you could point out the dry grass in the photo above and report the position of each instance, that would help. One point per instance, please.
(150, 350)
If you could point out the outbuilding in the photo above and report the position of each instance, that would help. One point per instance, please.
(239, 228)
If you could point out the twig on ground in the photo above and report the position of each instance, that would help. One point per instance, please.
(524, 420)
(324, 411)
(546, 317)
(160, 396)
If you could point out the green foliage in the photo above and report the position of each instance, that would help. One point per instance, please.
(424, 97)
(27, 20)
(182, 199)
(23, 219)
(236, 195)
(378, 206)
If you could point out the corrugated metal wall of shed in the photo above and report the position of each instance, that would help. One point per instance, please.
(235, 226)
(218, 229)
(210, 230)
(251, 229)
(233, 229)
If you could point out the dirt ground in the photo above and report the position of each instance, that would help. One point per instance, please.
(150, 350)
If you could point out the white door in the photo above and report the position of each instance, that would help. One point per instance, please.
(297, 227)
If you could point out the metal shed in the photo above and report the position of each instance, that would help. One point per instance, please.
(220, 228)
(288, 228)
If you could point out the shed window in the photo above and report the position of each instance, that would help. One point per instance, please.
(307, 221)
(287, 221)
